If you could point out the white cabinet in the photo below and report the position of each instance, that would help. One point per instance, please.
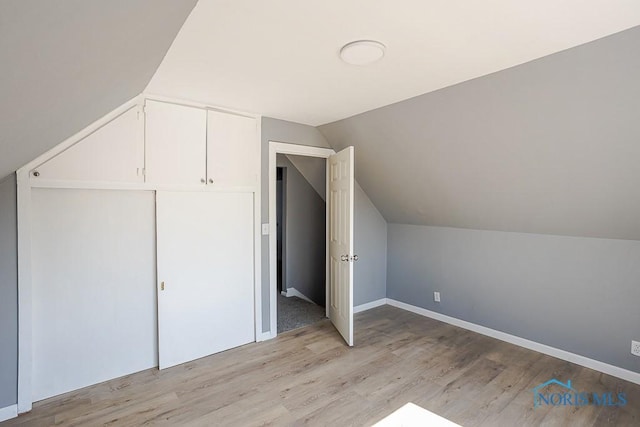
(175, 144)
(112, 153)
(233, 150)
(187, 146)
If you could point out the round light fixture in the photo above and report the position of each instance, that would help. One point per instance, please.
(362, 52)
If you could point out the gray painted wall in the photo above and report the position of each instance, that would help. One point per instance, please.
(550, 146)
(305, 234)
(573, 293)
(370, 234)
(66, 63)
(8, 293)
(371, 231)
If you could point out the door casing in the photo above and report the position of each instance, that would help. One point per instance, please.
(276, 148)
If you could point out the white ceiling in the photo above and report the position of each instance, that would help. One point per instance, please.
(280, 58)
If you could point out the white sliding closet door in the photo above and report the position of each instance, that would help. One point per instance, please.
(93, 284)
(205, 274)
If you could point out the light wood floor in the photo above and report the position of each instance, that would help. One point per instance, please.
(308, 376)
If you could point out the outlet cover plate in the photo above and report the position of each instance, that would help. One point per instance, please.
(436, 296)
(635, 348)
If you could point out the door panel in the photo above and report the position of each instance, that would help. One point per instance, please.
(233, 151)
(175, 144)
(113, 153)
(93, 287)
(205, 274)
(341, 205)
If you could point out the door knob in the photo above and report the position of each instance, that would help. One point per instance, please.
(354, 258)
(202, 180)
(210, 181)
(344, 257)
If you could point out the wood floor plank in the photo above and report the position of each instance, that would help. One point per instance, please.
(310, 377)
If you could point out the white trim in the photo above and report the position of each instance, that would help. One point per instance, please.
(293, 292)
(140, 186)
(369, 305)
(8, 412)
(605, 368)
(257, 237)
(264, 336)
(275, 148)
(301, 150)
(196, 104)
(273, 229)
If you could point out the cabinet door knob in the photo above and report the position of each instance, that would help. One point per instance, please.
(210, 181)
(202, 180)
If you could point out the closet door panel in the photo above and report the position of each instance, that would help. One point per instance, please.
(93, 287)
(205, 273)
(113, 153)
(233, 150)
(175, 144)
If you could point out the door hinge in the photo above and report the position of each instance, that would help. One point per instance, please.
(141, 171)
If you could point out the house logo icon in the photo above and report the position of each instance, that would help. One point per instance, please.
(564, 394)
(537, 393)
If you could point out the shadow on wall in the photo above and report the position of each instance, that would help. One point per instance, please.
(8, 293)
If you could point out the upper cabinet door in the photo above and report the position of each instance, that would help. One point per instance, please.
(233, 153)
(112, 153)
(176, 144)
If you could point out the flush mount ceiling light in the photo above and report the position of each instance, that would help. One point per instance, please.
(362, 52)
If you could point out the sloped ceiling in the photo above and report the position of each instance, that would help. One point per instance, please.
(314, 170)
(66, 63)
(280, 58)
(551, 146)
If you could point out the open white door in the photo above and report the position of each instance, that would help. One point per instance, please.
(341, 257)
(205, 274)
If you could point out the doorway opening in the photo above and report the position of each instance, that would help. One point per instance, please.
(339, 220)
(301, 244)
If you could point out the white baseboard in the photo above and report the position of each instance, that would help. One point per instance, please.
(265, 336)
(8, 412)
(293, 292)
(369, 305)
(605, 368)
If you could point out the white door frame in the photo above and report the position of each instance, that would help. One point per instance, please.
(296, 150)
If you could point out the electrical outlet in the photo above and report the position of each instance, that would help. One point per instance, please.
(635, 348)
(436, 296)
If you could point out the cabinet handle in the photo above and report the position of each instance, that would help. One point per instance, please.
(210, 181)
(202, 180)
